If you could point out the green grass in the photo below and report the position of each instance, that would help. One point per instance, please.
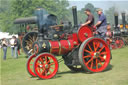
(13, 72)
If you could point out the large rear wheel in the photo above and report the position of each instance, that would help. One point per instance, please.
(28, 41)
(94, 55)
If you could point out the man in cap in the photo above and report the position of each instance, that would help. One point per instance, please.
(101, 24)
(90, 19)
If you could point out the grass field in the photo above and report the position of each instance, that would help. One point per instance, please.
(13, 72)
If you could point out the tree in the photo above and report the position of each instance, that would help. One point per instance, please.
(25, 8)
(110, 15)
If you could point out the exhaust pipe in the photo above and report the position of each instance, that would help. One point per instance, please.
(123, 19)
(74, 11)
(116, 20)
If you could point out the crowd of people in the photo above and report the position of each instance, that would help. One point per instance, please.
(13, 44)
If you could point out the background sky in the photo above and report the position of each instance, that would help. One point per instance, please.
(121, 5)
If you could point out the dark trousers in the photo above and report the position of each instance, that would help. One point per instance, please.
(102, 32)
(5, 52)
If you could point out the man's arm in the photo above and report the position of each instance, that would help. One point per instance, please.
(98, 23)
(101, 19)
(90, 18)
(88, 22)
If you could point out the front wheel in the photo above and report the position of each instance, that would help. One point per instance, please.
(94, 55)
(29, 65)
(45, 66)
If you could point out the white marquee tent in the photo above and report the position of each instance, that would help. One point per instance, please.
(6, 35)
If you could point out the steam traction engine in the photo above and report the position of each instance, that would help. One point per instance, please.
(78, 48)
(116, 40)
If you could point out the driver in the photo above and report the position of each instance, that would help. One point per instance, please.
(90, 18)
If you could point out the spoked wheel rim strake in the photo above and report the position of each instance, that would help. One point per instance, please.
(30, 63)
(45, 66)
(94, 55)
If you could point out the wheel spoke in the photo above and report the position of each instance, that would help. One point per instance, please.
(50, 71)
(94, 46)
(39, 69)
(88, 51)
(46, 58)
(43, 71)
(51, 64)
(98, 44)
(89, 61)
(90, 48)
(88, 56)
(49, 60)
(92, 64)
(52, 68)
(41, 60)
(96, 64)
(100, 62)
(101, 49)
(103, 53)
(102, 58)
(39, 64)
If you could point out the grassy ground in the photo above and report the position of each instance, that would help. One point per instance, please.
(13, 72)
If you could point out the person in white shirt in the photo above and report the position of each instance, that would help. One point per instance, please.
(12, 45)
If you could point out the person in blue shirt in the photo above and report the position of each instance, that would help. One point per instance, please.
(101, 24)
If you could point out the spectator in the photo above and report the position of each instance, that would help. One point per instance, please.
(4, 46)
(14, 46)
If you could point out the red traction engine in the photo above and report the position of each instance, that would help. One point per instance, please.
(78, 48)
(115, 39)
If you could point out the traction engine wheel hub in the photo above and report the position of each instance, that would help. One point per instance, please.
(96, 54)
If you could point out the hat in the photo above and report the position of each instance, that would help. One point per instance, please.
(99, 9)
(87, 9)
